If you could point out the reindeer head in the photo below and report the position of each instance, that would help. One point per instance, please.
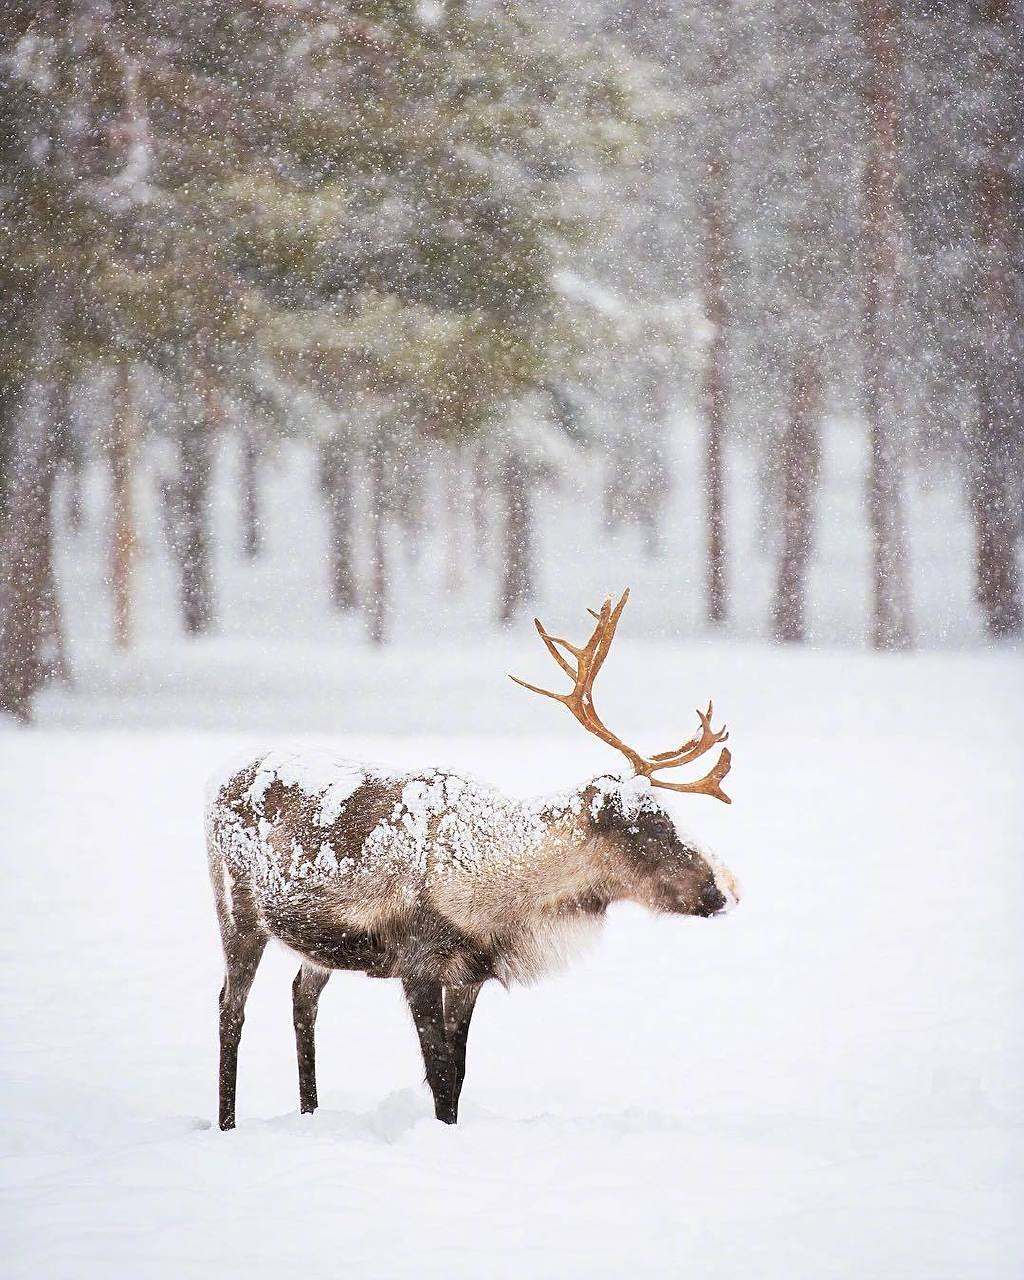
(647, 858)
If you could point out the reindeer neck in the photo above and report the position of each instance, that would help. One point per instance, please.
(572, 867)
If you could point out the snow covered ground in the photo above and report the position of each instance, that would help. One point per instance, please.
(826, 1083)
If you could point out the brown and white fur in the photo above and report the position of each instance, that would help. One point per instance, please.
(429, 877)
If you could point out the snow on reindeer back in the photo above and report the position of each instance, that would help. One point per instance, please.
(317, 773)
(446, 824)
(325, 779)
(441, 823)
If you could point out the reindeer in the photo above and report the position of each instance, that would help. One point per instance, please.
(439, 881)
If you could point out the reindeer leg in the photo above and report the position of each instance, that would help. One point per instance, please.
(427, 1008)
(242, 953)
(459, 1003)
(309, 982)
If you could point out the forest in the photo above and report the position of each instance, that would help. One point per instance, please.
(341, 340)
(479, 259)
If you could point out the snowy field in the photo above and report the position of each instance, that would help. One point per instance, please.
(826, 1083)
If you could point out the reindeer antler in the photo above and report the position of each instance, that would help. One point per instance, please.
(580, 700)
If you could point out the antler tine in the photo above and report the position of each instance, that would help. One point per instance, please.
(604, 632)
(601, 616)
(549, 644)
(535, 688)
(566, 644)
(696, 746)
(709, 785)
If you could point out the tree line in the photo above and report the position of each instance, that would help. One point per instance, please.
(390, 226)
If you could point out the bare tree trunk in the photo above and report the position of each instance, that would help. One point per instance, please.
(652, 501)
(11, 390)
(74, 507)
(996, 441)
(517, 570)
(481, 528)
(993, 507)
(338, 490)
(409, 500)
(883, 398)
(25, 551)
(715, 391)
(53, 660)
(54, 663)
(196, 465)
(68, 449)
(252, 527)
(799, 471)
(615, 489)
(453, 494)
(375, 603)
(122, 466)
